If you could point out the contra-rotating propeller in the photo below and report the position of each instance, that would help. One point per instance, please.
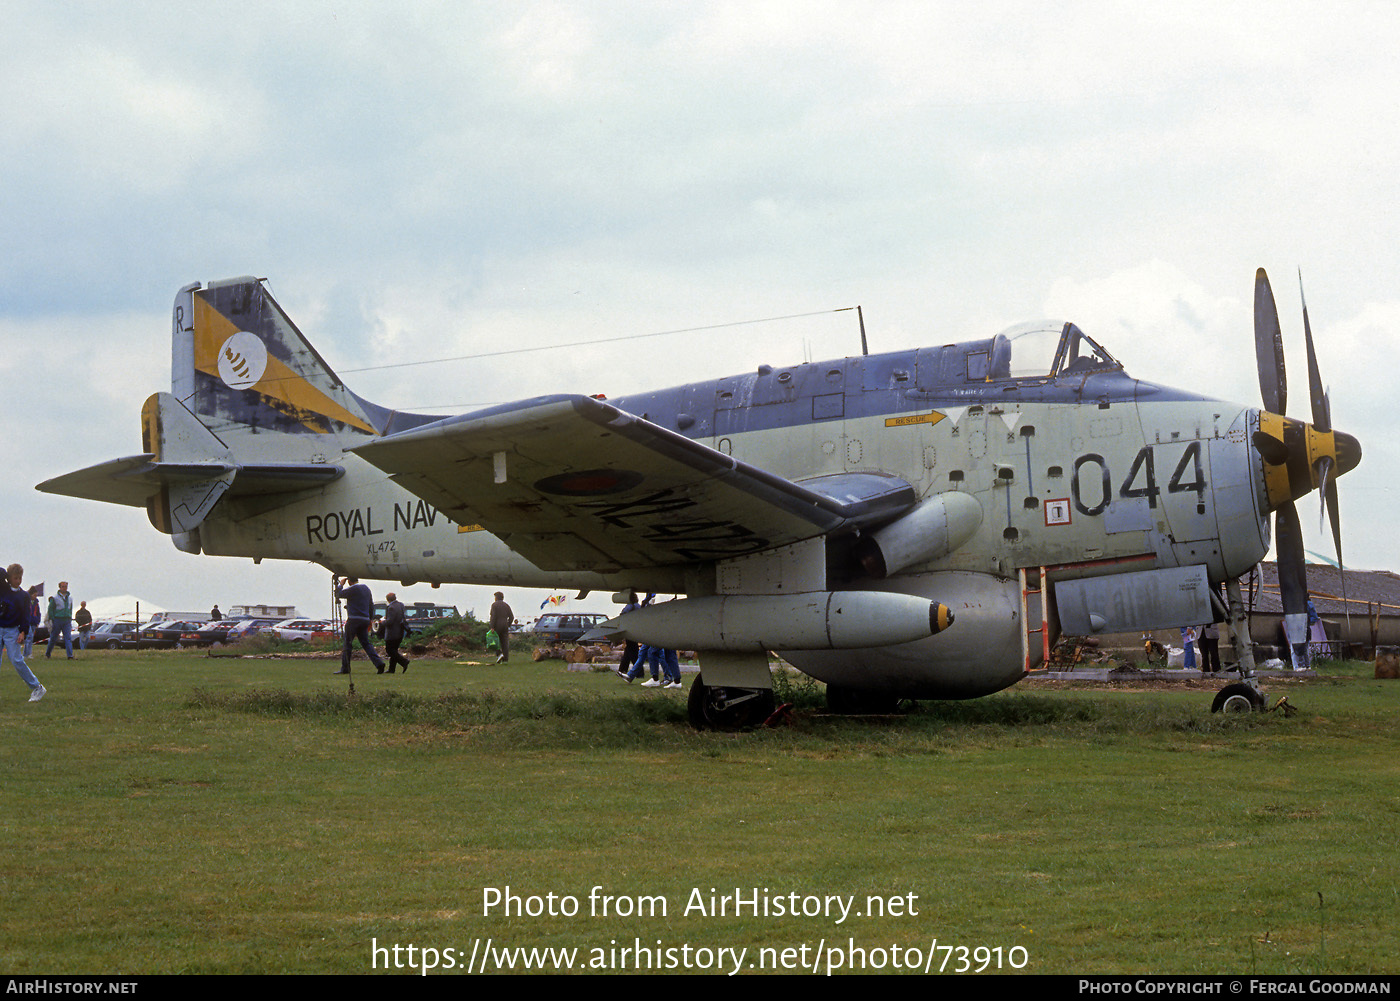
(1297, 456)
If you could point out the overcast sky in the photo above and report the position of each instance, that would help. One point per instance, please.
(423, 180)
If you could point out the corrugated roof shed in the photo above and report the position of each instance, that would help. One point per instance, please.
(1325, 589)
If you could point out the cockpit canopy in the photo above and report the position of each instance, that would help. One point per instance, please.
(1045, 349)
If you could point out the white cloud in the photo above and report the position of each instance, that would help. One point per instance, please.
(1166, 327)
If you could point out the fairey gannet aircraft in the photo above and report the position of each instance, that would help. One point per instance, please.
(917, 524)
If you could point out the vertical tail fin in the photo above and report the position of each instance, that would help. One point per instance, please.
(241, 365)
(254, 412)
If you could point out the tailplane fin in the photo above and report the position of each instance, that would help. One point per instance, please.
(254, 412)
(243, 368)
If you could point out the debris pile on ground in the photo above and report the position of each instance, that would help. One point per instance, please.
(577, 653)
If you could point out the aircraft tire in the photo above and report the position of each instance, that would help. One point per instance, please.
(707, 711)
(1237, 698)
(856, 702)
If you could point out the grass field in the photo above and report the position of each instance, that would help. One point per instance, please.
(171, 812)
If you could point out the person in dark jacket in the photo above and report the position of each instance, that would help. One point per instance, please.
(395, 629)
(630, 648)
(82, 618)
(502, 618)
(359, 612)
(36, 616)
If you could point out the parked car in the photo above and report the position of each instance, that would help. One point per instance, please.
(162, 618)
(419, 613)
(164, 636)
(243, 628)
(110, 635)
(198, 634)
(417, 616)
(566, 627)
(297, 630)
(221, 632)
(213, 633)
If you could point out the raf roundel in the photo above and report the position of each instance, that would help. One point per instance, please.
(590, 482)
(242, 360)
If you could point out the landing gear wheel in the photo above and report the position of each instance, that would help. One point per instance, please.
(1237, 698)
(858, 702)
(727, 708)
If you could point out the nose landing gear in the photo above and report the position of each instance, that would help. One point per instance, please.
(1237, 698)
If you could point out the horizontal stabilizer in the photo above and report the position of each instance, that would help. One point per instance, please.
(190, 488)
(126, 481)
(573, 483)
(184, 471)
(132, 480)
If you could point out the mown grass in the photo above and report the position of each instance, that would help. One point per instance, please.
(176, 813)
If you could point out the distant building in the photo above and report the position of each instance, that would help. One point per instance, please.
(1372, 599)
(265, 611)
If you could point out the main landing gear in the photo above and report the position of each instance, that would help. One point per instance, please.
(721, 708)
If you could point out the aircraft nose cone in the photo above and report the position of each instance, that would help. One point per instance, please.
(1299, 458)
(1348, 452)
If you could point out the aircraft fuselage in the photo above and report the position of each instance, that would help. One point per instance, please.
(948, 473)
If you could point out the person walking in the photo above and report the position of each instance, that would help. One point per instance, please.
(502, 618)
(629, 647)
(359, 612)
(395, 629)
(14, 624)
(36, 616)
(61, 619)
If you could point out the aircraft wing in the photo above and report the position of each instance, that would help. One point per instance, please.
(573, 483)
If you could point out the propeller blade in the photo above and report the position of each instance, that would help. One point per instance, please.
(1321, 405)
(1268, 347)
(1292, 575)
(1292, 570)
(1321, 401)
(1324, 470)
(1330, 494)
(1275, 452)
